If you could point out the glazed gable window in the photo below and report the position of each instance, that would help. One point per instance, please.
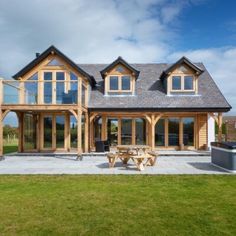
(120, 83)
(183, 83)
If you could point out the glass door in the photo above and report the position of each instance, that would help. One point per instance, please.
(54, 132)
(60, 131)
(48, 131)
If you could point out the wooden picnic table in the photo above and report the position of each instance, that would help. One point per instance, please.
(126, 152)
(130, 148)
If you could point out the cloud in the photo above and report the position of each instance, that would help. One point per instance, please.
(100, 30)
(87, 31)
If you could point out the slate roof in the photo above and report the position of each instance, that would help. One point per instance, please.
(150, 93)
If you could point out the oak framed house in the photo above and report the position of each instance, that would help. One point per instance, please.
(64, 106)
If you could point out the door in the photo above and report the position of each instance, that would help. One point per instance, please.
(54, 132)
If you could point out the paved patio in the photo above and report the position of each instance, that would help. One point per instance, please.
(99, 165)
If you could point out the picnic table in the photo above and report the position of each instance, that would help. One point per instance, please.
(139, 154)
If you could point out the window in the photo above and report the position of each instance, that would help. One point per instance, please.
(188, 82)
(120, 83)
(126, 131)
(182, 83)
(114, 83)
(48, 87)
(160, 133)
(176, 83)
(60, 86)
(173, 128)
(54, 62)
(125, 82)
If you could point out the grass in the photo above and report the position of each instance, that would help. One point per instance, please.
(117, 205)
(9, 148)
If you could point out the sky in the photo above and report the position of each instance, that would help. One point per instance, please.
(141, 31)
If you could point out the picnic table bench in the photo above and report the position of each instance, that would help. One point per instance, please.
(127, 152)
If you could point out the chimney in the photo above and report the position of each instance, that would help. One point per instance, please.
(37, 54)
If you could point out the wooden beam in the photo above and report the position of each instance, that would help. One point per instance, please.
(73, 113)
(220, 127)
(158, 117)
(148, 118)
(152, 132)
(92, 116)
(104, 128)
(4, 113)
(1, 134)
(79, 133)
(86, 132)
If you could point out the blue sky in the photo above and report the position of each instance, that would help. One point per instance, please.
(98, 31)
(211, 23)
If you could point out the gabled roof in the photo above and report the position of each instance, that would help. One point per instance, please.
(181, 61)
(121, 61)
(45, 54)
(150, 93)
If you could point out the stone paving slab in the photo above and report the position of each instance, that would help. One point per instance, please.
(99, 165)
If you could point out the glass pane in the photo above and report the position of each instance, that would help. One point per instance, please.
(125, 82)
(97, 129)
(126, 131)
(29, 132)
(73, 132)
(54, 62)
(188, 131)
(140, 129)
(60, 87)
(11, 92)
(113, 82)
(160, 133)
(73, 92)
(48, 87)
(60, 134)
(112, 131)
(31, 90)
(173, 128)
(176, 82)
(188, 82)
(48, 132)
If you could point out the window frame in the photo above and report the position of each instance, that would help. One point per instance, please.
(120, 90)
(182, 81)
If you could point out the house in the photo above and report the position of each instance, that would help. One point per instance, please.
(64, 106)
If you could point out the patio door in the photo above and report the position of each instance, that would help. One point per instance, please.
(54, 132)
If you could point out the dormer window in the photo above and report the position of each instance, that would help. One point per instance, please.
(181, 77)
(119, 78)
(120, 83)
(182, 83)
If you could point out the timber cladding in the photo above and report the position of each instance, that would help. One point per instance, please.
(202, 131)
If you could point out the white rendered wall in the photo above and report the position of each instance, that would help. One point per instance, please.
(211, 131)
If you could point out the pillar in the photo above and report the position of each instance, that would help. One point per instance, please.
(86, 132)
(1, 120)
(79, 133)
(219, 127)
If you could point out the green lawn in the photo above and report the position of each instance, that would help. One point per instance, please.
(117, 205)
(9, 148)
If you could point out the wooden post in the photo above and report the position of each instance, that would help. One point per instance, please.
(79, 134)
(219, 127)
(152, 132)
(104, 127)
(1, 119)
(86, 132)
(1, 134)
(20, 116)
(133, 132)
